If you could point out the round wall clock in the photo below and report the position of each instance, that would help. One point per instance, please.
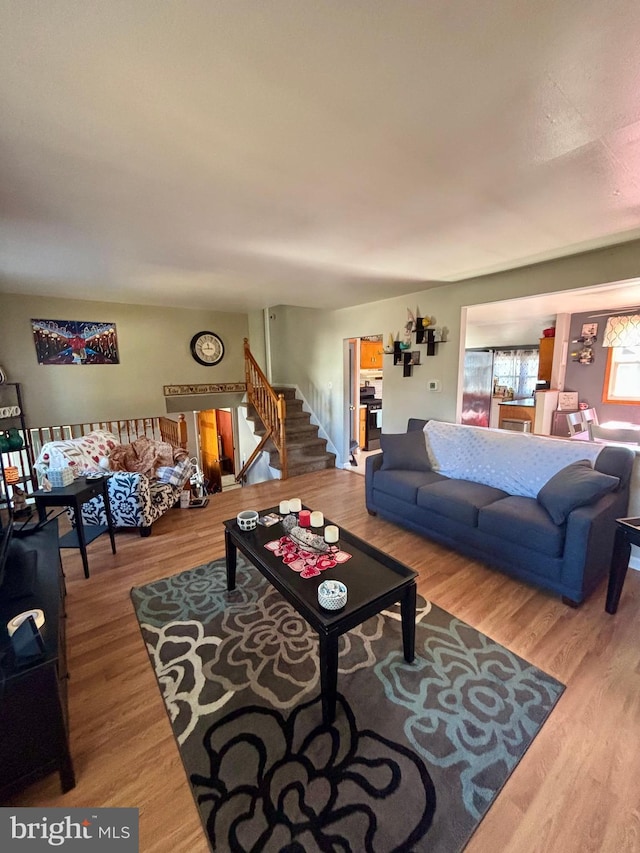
(207, 348)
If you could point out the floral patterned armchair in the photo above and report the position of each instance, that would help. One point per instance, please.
(137, 499)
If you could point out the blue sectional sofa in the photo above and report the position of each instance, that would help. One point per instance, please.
(541, 509)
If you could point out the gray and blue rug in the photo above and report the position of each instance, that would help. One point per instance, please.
(416, 756)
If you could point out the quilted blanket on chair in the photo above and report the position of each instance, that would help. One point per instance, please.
(144, 456)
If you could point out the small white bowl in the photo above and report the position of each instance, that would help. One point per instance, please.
(332, 595)
(247, 519)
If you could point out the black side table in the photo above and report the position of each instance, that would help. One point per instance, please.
(627, 534)
(74, 495)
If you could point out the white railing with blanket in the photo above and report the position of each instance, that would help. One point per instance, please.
(126, 430)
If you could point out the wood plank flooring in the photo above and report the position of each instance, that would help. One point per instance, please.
(576, 790)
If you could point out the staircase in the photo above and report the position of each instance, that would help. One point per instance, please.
(306, 451)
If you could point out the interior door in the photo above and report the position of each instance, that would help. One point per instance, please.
(354, 391)
(225, 441)
(210, 449)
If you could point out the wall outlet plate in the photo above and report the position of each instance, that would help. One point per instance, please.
(434, 385)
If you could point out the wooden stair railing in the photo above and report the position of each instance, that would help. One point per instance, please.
(174, 432)
(271, 409)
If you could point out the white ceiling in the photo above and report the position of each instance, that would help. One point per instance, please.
(235, 154)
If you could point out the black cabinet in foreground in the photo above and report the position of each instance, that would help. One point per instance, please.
(34, 722)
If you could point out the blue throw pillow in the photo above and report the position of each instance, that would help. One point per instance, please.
(405, 451)
(576, 485)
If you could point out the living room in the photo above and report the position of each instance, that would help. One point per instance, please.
(171, 176)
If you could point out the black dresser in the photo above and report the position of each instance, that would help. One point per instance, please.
(34, 722)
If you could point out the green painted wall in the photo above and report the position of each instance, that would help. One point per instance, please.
(154, 351)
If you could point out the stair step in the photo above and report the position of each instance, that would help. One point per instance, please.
(306, 451)
(293, 432)
(287, 393)
(311, 463)
(293, 413)
(310, 447)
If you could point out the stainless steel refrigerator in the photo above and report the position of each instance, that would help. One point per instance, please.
(477, 387)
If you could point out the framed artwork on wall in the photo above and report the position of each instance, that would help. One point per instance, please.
(567, 401)
(589, 330)
(75, 342)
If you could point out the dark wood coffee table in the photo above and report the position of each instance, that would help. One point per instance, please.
(374, 581)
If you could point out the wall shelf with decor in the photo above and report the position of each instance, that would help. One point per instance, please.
(427, 336)
(16, 469)
(407, 358)
(424, 336)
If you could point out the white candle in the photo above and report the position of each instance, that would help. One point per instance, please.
(331, 533)
(284, 507)
(317, 519)
(295, 505)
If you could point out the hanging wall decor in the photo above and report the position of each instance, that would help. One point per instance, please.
(583, 352)
(75, 342)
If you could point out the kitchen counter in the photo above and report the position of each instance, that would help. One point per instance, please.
(527, 402)
(521, 412)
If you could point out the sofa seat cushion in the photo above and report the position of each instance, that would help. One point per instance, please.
(404, 484)
(523, 521)
(459, 500)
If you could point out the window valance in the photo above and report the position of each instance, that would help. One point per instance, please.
(622, 331)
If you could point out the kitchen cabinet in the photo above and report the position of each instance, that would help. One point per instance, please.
(545, 359)
(517, 412)
(371, 355)
(559, 425)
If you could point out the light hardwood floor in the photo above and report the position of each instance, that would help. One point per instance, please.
(577, 789)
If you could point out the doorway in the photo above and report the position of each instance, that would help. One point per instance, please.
(217, 451)
(363, 372)
(354, 399)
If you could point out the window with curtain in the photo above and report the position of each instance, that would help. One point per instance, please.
(517, 369)
(622, 377)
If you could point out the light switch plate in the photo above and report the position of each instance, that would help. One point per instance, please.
(434, 385)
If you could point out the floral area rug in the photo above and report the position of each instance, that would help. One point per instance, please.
(415, 757)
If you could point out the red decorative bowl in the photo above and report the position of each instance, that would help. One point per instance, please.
(549, 333)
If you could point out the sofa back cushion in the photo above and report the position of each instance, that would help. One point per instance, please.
(617, 462)
(576, 485)
(416, 423)
(517, 463)
(80, 454)
(404, 451)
